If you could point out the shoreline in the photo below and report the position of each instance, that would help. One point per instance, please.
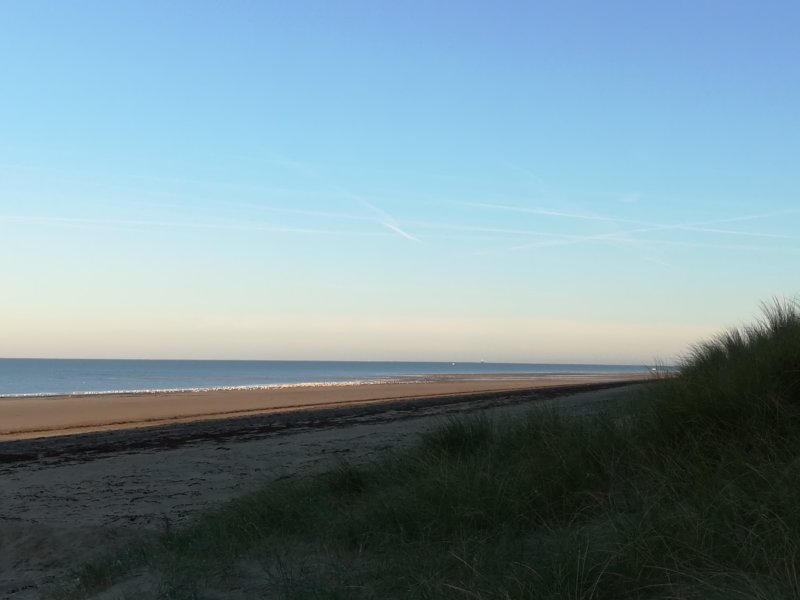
(39, 417)
(399, 379)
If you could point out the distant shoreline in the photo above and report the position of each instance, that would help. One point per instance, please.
(407, 379)
(62, 415)
(24, 378)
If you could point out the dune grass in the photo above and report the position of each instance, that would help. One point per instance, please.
(691, 491)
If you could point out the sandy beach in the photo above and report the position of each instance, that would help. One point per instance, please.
(34, 417)
(143, 460)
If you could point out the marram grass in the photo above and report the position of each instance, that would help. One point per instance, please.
(691, 491)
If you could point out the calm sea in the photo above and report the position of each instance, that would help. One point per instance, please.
(42, 377)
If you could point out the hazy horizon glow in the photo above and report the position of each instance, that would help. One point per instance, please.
(520, 182)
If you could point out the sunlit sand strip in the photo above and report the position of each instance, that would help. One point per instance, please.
(34, 417)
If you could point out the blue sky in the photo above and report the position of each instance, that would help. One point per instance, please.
(504, 181)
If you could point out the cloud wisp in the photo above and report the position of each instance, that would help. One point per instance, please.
(378, 215)
(388, 221)
(71, 222)
(623, 236)
(549, 213)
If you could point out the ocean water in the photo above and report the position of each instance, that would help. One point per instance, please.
(44, 377)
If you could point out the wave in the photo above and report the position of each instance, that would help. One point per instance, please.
(225, 388)
(403, 379)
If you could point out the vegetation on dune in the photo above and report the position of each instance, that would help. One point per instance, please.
(691, 491)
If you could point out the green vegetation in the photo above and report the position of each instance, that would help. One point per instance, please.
(692, 491)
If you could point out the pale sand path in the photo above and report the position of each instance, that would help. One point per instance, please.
(56, 511)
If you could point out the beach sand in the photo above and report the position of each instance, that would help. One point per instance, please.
(64, 498)
(33, 417)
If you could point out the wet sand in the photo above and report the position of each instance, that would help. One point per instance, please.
(35, 417)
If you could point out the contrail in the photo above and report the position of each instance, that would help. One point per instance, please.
(644, 227)
(776, 236)
(399, 231)
(383, 218)
(683, 244)
(550, 213)
(299, 211)
(388, 221)
(86, 221)
(490, 230)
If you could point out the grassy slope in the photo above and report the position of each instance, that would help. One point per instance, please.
(693, 492)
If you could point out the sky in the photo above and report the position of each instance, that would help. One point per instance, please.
(601, 182)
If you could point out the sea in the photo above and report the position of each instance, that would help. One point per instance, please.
(20, 377)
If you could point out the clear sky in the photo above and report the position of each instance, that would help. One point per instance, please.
(421, 180)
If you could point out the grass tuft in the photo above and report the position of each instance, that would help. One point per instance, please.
(460, 438)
